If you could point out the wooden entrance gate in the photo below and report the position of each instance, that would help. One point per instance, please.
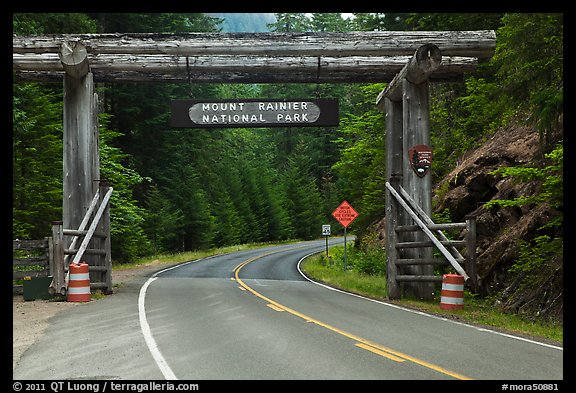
(82, 60)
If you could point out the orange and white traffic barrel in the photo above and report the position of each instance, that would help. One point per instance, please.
(78, 283)
(452, 294)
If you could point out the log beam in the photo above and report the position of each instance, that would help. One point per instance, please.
(480, 44)
(248, 69)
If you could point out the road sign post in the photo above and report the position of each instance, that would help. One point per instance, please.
(326, 231)
(345, 214)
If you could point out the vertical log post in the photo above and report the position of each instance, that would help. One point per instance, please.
(416, 119)
(471, 252)
(58, 284)
(81, 155)
(104, 227)
(394, 176)
(409, 91)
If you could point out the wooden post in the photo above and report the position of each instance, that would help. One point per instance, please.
(394, 176)
(410, 89)
(416, 121)
(471, 252)
(81, 163)
(58, 284)
(425, 61)
(105, 228)
(74, 59)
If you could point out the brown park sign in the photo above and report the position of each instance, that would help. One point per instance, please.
(420, 159)
(242, 113)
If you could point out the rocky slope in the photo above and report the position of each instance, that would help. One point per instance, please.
(466, 189)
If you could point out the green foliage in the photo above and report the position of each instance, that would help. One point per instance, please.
(330, 270)
(52, 23)
(533, 255)
(538, 255)
(361, 166)
(304, 22)
(154, 22)
(453, 21)
(379, 21)
(529, 57)
(163, 222)
(291, 22)
(372, 262)
(126, 217)
(36, 160)
(303, 201)
(551, 176)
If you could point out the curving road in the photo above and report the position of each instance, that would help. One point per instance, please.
(252, 315)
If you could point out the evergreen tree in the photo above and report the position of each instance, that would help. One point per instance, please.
(291, 22)
(330, 21)
(530, 59)
(362, 164)
(303, 201)
(36, 160)
(379, 21)
(164, 222)
(126, 216)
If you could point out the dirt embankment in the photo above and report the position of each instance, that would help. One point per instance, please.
(466, 189)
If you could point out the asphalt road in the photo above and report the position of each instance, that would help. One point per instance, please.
(251, 315)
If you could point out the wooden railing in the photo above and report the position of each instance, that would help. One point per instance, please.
(435, 238)
(96, 236)
(30, 259)
(50, 257)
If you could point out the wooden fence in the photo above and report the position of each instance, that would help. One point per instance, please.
(52, 255)
(30, 259)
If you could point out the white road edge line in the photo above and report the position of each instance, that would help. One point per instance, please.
(420, 312)
(150, 342)
(145, 327)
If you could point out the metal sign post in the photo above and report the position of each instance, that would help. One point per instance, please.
(345, 214)
(326, 231)
(345, 241)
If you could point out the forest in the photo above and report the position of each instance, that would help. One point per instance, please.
(187, 189)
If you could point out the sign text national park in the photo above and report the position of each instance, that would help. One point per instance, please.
(255, 113)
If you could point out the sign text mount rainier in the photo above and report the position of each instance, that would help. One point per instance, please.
(255, 113)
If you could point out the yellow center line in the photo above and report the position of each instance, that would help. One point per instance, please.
(274, 307)
(365, 344)
(379, 352)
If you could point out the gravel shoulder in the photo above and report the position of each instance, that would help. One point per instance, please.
(31, 318)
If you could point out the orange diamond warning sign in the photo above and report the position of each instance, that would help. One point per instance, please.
(345, 214)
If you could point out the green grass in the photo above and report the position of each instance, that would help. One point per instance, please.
(476, 310)
(320, 269)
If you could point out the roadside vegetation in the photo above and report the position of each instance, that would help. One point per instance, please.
(365, 275)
